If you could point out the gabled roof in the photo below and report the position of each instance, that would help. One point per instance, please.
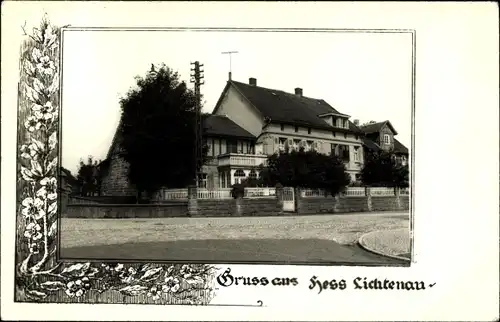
(370, 144)
(399, 147)
(221, 125)
(376, 127)
(282, 107)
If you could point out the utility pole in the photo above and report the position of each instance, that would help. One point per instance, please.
(229, 53)
(197, 79)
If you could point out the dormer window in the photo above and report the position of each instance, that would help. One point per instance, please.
(387, 139)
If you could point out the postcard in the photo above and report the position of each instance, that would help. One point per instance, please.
(219, 161)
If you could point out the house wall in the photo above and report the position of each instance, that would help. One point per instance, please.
(238, 109)
(272, 132)
(115, 182)
(385, 130)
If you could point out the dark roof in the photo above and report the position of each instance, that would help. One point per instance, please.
(376, 127)
(280, 106)
(370, 144)
(221, 125)
(399, 147)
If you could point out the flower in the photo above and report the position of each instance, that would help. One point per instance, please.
(78, 288)
(187, 271)
(44, 112)
(46, 66)
(34, 249)
(48, 189)
(171, 285)
(33, 208)
(33, 231)
(32, 124)
(153, 293)
(25, 152)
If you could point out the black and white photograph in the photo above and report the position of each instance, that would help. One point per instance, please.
(249, 161)
(250, 151)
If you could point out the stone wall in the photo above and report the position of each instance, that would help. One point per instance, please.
(343, 204)
(115, 182)
(125, 211)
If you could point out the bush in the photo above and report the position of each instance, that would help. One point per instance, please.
(238, 190)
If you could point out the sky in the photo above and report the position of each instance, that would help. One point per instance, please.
(364, 75)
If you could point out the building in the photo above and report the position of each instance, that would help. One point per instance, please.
(250, 122)
(280, 120)
(381, 136)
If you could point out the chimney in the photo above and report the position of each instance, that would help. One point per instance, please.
(356, 122)
(298, 91)
(230, 75)
(252, 81)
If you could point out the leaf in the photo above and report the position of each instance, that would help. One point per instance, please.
(145, 267)
(31, 94)
(29, 68)
(51, 165)
(133, 290)
(53, 227)
(36, 168)
(27, 174)
(38, 146)
(53, 285)
(54, 86)
(35, 295)
(53, 140)
(52, 208)
(194, 280)
(76, 269)
(151, 274)
(38, 86)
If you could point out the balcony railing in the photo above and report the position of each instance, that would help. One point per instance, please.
(250, 160)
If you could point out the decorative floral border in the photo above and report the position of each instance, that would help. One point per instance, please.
(39, 277)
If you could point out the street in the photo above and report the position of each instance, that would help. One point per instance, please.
(311, 239)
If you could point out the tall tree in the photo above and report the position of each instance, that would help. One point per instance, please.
(158, 131)
(307, 170)
(88, 177)
(382, 168)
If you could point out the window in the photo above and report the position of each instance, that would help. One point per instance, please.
(356, 154)
(252, 174)
(282, 127)
(387, 139)
(232, 146)
(217, 150)
(334, 149)
(281, 145)
(334, 135)
(223, 180)
(239, 176)
(345, 135)
(344, 152)
(358, 177)
(296, 144)
(346, 124)
(357, 137)
(296, 128)
(309, 131)
(202, 180)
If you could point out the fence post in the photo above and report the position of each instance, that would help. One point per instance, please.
(368, 194)
(279, 196)
(337, 203)
(298, 199)
(192, 200)
(239, 206)
(398, 199)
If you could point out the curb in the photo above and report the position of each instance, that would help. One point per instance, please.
(363, 245)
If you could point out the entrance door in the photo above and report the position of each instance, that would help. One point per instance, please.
(288, 199)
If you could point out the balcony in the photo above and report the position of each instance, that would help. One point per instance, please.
(245, 160)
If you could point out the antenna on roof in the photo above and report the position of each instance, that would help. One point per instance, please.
(229, 53)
